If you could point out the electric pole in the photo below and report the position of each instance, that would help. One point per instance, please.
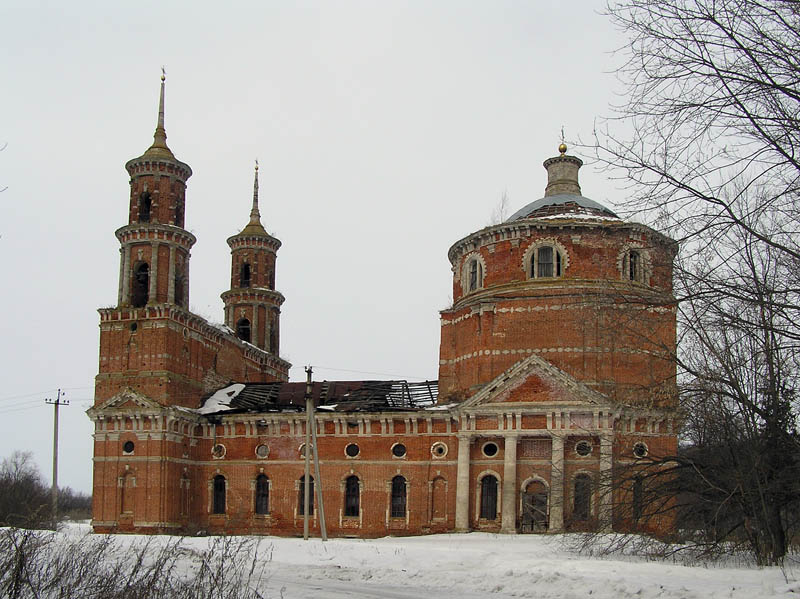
(54, 490)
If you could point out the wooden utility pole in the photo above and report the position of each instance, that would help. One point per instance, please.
(318, 486)
(307, 453)
(54, 489)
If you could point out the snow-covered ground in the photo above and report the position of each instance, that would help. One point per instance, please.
(483, 565)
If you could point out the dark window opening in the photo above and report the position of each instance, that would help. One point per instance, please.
(398, 509)
(180, 289)
(583, 448)
(219, 494)
(127, 447)
(399, 450)
(490, 449)
(179, 213)
(244, 275)
(634, 266)
(351, 496)
(141, 285)
(489, 497)
(271, 278)
(262, 494)
(243, 330)
(351, 450)
(301, 497)
(582, 497)
(145, 203)
(640, 450)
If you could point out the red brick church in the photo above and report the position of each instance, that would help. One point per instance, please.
(555, 369)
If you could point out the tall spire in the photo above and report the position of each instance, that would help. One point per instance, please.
(254, 227)
(255, 215)
(160, 136)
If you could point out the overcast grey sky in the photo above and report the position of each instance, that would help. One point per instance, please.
(386, 131)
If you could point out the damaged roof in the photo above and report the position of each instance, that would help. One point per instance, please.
(338, 396)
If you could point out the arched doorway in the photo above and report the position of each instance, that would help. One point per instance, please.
(534, 507)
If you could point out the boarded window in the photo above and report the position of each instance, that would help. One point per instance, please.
(219, 495)
(488, 497)
(262, 494)
(351, 496)
(398, 497)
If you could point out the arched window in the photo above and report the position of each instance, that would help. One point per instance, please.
(582, 497)
(351, 496)
(633, 266)
(398, 497)
(145, 203)
(218, 504)
(475, 275)
(243, 329)
(301, 497)
(488, 497)
(262, 494)
(546, 262)
(244, 275)
(141, 285)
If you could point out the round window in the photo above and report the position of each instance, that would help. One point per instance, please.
(398, 450)
(490, 449)
(583, 448)
(639, 450)
(218, 451)
(262, 451)
(134, 327)
(439, 450)
(127, 447)
(351, 450)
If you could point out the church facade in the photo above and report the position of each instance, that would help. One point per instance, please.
(556, 370)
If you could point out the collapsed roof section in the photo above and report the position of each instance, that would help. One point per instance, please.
(330, 396)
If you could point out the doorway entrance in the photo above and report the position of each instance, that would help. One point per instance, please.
(534, 507)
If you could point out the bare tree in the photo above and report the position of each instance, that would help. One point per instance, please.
(712, 157)
(23, 493)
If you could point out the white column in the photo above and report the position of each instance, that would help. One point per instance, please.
(171, 282)
(605, 487)
(557, 485)
(153, 273)
(509, 514)
(462, 485)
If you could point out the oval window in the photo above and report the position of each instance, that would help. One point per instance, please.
(583, 448)
(351, 450)
(127, 447)
(398, 450)
(490, 449)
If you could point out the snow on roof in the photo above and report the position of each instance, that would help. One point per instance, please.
(221, 400)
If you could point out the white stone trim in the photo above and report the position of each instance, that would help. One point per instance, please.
(530, 252)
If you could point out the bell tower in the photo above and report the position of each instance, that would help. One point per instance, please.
(252, 306)
(154, 262)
